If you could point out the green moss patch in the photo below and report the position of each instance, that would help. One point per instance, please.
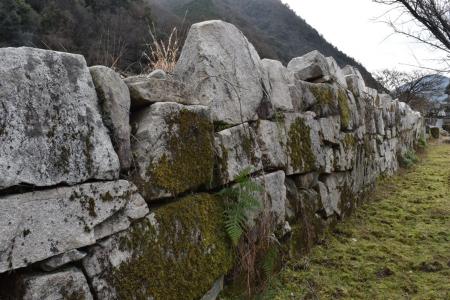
(180, 256)
(396, 247)
(344, 108)
(324, 94)
(190, 161)
(300, 146)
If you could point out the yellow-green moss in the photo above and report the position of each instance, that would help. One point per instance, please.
(324, 94)
(344, 108)
(190, 161)
(349, 142)
(300, 146)
(178, 258)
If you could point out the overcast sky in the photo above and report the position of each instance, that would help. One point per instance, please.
(351, 26)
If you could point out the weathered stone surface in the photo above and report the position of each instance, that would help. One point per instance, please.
(330, 129)
(173, 149)
(158, 74)
(50, 129)
(273, 196)
(39, 225)
(66, 284)
(215, 290)
(271, 137)
(60, 260)
(280, 79)
(329, 195)
(303, 143)
(224, 71)
(237, 150)
(177, 252)
(145, 91)
(355, 81)
(312, 67)
(114, 100)
(301, 95)
(336, 72)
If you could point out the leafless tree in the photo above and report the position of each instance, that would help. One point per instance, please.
(427, 21)
(415, 88)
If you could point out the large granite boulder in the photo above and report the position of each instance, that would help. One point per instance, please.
(67, 284)
(280, 80)
(114, 100)
(39, 225)
(312, 67)
(51, 131)
(177, 252)
(355, 81)
(145, 91)
(173, 149)
(237, 150)
(224, 71)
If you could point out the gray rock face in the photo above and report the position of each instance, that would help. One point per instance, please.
(336, 72)
(61, 260)
(173, 149)
(39, 225)
(114, 99)
(51, 131)
(145, 91)
(159, 74)
(237, 150)
(355, 81)
(271, 137)
(280, 79)
(224, 71)
(67, 284)
(312, 67)
(273, 197)
(215, 290)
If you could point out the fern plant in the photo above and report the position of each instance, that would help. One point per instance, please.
(241, 201)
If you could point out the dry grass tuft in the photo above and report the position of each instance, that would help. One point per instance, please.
(162, 54)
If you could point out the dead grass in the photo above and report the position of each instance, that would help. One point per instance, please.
(162, 54)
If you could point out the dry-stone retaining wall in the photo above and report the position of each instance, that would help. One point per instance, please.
(108, 187)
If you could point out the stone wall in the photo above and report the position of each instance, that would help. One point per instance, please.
(108, 187)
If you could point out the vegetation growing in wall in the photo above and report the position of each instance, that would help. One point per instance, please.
(324, 94)
(344, 109)
(190, 161)
(408, 159)
(300, 146)
(180, 256)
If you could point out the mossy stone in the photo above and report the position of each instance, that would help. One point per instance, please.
(300, 146)
(177, 257)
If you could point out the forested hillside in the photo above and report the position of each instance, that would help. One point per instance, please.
(109, 32)
(115, 32)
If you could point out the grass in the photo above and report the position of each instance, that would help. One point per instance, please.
(395, 247)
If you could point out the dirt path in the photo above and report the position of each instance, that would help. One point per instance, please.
(397, 247)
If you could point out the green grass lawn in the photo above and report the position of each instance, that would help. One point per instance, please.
(395, 247)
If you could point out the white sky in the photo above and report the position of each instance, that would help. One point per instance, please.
(350, 25)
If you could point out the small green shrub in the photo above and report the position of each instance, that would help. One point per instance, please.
(408, 159)
(422, 143)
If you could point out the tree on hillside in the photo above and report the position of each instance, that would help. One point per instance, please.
(431, 18)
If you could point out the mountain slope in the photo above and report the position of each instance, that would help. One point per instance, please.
(275, 30)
